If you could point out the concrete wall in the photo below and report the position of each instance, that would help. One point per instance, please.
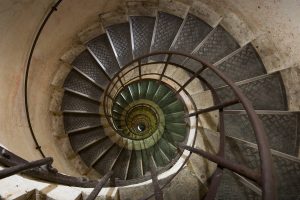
(272, 24)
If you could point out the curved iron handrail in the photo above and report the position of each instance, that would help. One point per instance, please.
(267, 180)
(41, 28)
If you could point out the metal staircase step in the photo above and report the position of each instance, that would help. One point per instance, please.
(108, 160)
(177, 117)
(244, 64)
(91, 154)
(86, 63)
(134, 91)
(121, 101)
(141, 34)
(160, 93)
(119, 36)
(152, 88)
(217, 46)
(122, 164)
(136, 165)
(102, 51)
(78, 122)
(168, 149)
(281, 129)
(286, 168)
(77, 83)
(231, 187)
(178, 128)
(265, 93)
(168, 98)
(83, 139)
(74, 102)
(173, 107)
(165, 30)
(146, 159)
(158, 158)
(127, 95)
(191, 33)
(142, 87)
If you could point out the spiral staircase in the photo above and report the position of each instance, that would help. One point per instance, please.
(134, 101)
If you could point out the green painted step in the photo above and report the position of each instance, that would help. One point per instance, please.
(160, 93)
(152, 87)
(134, 91)
(173, 107)
(167, 99)
(177, 117)
(127, 95)
(142, 87)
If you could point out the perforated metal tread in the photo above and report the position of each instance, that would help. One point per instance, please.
(120, 39)
(217, 46)
(94, 152)
(244, 65)
(141, 30)
(75, 102)
(78, 121)
(231, 188)
(103, 52)
(266, 93)
(81, 140)
(107, 161)
(78, 83)
(281, 130)
(286, 170)
(136, 167)
(122, 164)
(192, 32)
(166, 29)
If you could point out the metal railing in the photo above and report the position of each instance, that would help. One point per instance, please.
(264, 178)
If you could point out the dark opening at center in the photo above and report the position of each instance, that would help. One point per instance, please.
(141, 127)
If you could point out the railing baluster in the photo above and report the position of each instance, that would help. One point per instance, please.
(157, 191)
(24, 166)
(195, 75)
(240, 169)
(140, 69)
(165, 67)
(215, 107)
(99, 186)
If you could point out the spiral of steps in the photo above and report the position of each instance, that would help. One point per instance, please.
(127, 120)
(141, 104)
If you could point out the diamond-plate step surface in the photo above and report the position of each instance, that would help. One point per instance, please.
(142, 31)
(108, 160)
(192, 32)
(165, 31)
(286, 168)
(102, 50)
(78, 83)
(122, 164)
(83, 139)
(217, 46)
(119, 35)
(77, 103)
(266, 93)
(281, 130)
(136, 165)
(89, 66)
(232, 188)
(93, 153)
(243, 65)
(80, 121)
